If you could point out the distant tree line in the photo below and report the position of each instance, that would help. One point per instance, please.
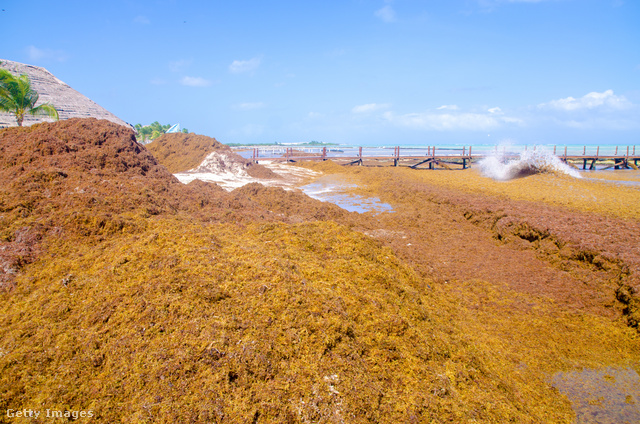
(153, 131)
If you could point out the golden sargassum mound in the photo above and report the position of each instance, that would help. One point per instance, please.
(130, 295)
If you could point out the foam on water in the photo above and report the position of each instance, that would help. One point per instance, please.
(501, 167)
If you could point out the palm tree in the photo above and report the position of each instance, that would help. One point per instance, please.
(18, 97)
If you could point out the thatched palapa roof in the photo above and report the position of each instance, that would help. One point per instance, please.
(68, 102)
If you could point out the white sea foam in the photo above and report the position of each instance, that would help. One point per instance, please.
(502, 166)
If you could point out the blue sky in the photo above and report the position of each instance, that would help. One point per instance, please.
(364, 72)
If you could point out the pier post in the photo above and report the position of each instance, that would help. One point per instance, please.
(469, 156)
(324, 153)
(598, 152)
(584, 150)
(360, 156)
(464, 160)
(584, 164)
(616, 153)
(554, 150)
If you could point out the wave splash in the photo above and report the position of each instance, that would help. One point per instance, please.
(501, 167)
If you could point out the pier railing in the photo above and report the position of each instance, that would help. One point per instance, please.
(434, 157)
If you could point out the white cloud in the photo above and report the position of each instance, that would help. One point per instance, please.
(142, 20)
(386, 13)
(241, 66)
(249, 106)
(448, 107)
(450, 121)
(195, 82)
(36, 54)
(370, 107)
(179, 65)
(495, 110)
(589, 101)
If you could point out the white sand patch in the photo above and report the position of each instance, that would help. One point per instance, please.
(220, 163)
(226, 180)
(220, 169)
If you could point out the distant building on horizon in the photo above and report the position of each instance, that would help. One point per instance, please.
(68, 102)
(174, 129)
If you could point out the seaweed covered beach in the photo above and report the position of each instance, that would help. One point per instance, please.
(133, 296)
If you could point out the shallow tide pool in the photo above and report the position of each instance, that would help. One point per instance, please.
(605, 396)
(331, 189)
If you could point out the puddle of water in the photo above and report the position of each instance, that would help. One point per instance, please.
(605, 396)
(330, 189)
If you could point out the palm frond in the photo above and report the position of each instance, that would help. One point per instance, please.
(45, 109)
(18, 97)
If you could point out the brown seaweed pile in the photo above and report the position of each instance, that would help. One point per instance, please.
(180, 152)
(131, 295)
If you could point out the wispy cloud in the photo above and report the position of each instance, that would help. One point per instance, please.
(591, 100)
(370, 107)
(179, 65)
(195, 82)
(243, 66)
(448, 107)
(594, 110)
(449, 121)
(386, 14)
(249, 106)
(36, 54)
(143, 20)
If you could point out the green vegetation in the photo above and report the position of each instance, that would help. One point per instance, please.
(153, 131)
(18, 97)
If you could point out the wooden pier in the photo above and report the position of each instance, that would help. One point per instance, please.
(625, 158)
